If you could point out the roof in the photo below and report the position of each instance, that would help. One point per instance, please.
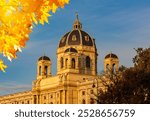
(111, 55)
(76, 37)
(44, 58)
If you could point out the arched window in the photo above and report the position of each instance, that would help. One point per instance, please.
(114, 68)
(40, 70)
(66, 63)
(28, 102)
(92, 101)
(83, 101)
(61, 62)
(107, 68)
(88, 62)
(46, 70)
(73, 63)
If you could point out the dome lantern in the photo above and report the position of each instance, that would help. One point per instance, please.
(77, 24)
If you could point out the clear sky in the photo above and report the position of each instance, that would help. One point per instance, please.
(117, 25)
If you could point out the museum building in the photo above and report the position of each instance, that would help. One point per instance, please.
(76, 81)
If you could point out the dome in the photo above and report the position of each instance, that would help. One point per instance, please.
(77, 36)
(44, 58)
(111, 55)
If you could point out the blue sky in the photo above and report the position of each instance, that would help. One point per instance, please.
(117, 25)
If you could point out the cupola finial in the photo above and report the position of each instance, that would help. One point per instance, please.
(77, 24)
(77, 16)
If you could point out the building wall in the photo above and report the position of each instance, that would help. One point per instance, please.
(82, 53)
(18, 98)
(61, 89)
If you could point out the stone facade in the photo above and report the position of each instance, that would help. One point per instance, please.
(76, 73)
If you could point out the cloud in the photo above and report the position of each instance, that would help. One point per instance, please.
(120, 32)
(126, 21)
(12, 87)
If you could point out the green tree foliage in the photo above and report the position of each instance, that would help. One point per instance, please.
(134, 85)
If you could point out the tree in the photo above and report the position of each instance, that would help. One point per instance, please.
(17, 18)
(133, 85)
(142, 59)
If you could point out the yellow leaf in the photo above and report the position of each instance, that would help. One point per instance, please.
(16, 21)
(54, 8)
(2, 66)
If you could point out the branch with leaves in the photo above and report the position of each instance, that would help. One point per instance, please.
(17, 19)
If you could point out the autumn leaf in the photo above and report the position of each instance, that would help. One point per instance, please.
(17, 19)
(2, 66)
